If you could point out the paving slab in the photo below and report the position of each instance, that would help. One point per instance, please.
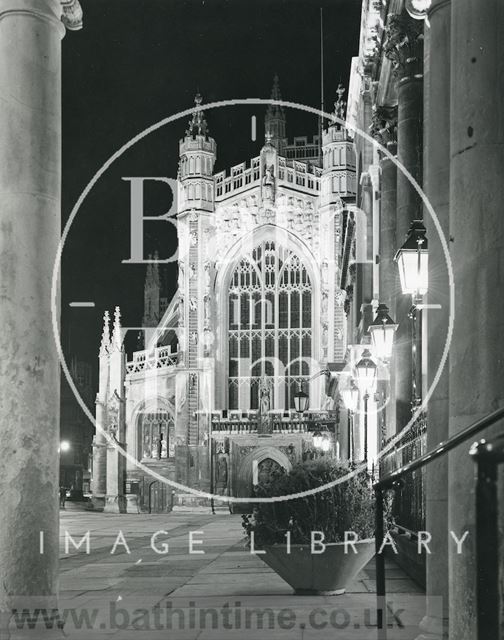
(124, 592)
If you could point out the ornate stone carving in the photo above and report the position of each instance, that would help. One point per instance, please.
(324, 303)
(404, 42)
(340, 297)
(418, 9)
(72, 14)
(384, 124)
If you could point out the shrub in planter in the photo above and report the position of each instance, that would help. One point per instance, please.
(345, 507)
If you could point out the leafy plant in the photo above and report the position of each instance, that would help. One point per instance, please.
(348, 506)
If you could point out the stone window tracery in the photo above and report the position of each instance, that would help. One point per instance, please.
(156, 435)
(270, 327)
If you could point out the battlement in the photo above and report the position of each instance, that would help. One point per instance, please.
(239, 177)
(303, 148)
(290, 173)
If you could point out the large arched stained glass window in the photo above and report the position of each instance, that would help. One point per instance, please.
(270, 327)
(156, 435)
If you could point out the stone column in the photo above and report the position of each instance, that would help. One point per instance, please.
(388, 269)
(30, 183)
(436, 188)
(477, 230)
(388, 239)
(404, 47)
(384, 129)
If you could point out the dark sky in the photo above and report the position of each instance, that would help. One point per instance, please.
(139, 61)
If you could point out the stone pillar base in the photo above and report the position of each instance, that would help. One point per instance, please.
(132, 504)
(115, 504)
(433, 629)
(97, 503)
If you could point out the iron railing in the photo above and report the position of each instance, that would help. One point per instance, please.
(408, 505)
(488, 455)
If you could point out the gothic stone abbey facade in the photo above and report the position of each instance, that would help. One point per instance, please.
(259, 313)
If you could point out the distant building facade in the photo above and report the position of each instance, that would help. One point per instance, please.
(258, 315)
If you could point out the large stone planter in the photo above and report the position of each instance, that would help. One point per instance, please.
(327, 573)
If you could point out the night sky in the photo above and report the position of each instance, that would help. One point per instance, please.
(138, 61)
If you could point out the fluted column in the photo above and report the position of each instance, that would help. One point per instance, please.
(404, 47)
(385, 131)
(30, 182)
(436, 188)
(477, 230)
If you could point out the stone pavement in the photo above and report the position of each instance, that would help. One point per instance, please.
(223, 593)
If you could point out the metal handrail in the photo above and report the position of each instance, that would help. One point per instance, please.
(488, 456)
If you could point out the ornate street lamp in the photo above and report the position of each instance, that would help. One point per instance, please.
(366, 373)
(350, 397)
(301, 400)
(366, 380)
(382, 332)
(412, 260)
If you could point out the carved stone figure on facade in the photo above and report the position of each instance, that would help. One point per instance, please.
(264, 404)
(325, 299)
(340, 296)
(193, 303)
(325, 273)
(208, 340)
(328, 404)
(206, 276)
(269, 185)
(193, 238)
(265, 395)
(221, 475)
(207, 310)
(325, 338)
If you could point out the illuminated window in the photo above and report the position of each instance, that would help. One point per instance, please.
(270, 327)
(156, 435)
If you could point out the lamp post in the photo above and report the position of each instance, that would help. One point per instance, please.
(350, 396)
(366, 379)
(412, 261)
